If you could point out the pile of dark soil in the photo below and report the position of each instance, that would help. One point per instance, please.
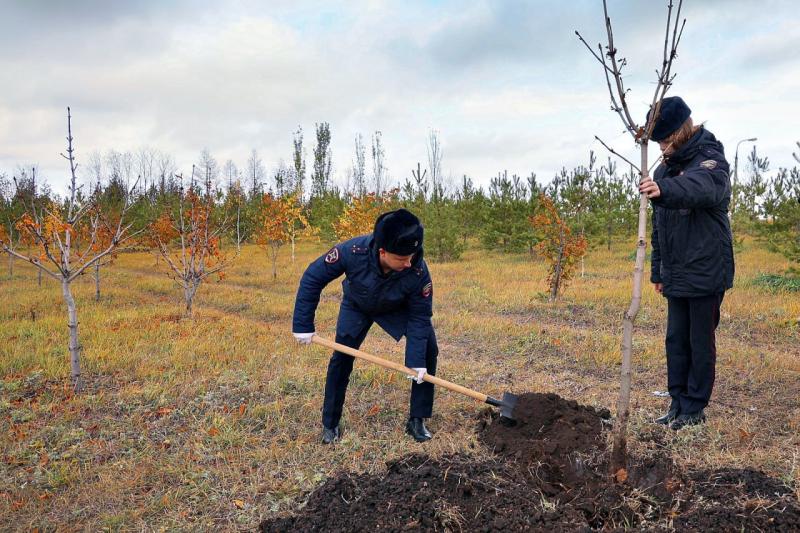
(553, 438)
(452, 493)
(549, 472)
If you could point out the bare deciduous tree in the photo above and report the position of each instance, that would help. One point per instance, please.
(66, 238)
(231, 173)
(255, 173)
(378, 163)
(613, 64)
(359, 168)
(435, 155)
(299, 160)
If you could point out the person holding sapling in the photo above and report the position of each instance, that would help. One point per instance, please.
(692, 260)
(386, 281)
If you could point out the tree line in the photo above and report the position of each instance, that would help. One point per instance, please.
(196, 222)
(595, 200)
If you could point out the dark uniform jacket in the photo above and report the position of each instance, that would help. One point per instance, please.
(400, 302)
(692, 242)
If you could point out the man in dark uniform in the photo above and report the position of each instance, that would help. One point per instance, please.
(692, 261)
(386, 281)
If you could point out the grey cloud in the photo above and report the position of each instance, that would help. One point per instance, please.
(506, 82)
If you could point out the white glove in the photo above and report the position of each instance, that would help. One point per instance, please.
(303, 338)
(420, 375)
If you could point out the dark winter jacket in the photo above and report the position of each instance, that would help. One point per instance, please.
(692, 241)
(400, 302)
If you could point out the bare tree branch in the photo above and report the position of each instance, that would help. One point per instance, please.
(612, 55)
(35, 262)
(617, 154)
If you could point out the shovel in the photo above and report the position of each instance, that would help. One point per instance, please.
(506, 405)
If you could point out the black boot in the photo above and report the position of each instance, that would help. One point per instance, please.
(416, 428)
(689, 419)
(667, 419)
(330, 435)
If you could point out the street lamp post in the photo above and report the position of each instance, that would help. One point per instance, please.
(736, 172)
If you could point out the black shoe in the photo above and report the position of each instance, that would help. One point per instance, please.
(416, 428)
(330, 435)
(690, 419)
(668, 418)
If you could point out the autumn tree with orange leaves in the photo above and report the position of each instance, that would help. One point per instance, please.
(277, 222)
(192, 247)
(104, 235)
(358, 217)
(296, 220)
(66, 239)
(161, 229)
(559, 247)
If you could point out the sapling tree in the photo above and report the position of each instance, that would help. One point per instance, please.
(275, 225)
(558, 246)
(10, 213)
(65, 238)
(195, 253)
(296, 220)
(105, 231)
(612, 64)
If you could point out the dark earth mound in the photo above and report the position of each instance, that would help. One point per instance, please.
(453, 493)
(552, 436)
(549, 473)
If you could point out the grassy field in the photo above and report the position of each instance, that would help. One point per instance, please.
(213, 422)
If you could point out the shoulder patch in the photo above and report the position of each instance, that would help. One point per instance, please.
(332, 256)
(427, 290)
(710, 164)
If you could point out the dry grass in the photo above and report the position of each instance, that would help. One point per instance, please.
(213, 423)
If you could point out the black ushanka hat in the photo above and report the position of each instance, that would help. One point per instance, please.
(399, 232)
(672, 115)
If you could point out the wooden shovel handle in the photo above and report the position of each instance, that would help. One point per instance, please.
(398, 367)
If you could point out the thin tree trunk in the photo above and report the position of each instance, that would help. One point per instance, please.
(74, 345)
(39, 275)
(583, 257)
(274, 263)
(293, 247)
(97, 281)
(10, 266)
(619, 455)
(188, 295)
(238, 234)
(557, 273)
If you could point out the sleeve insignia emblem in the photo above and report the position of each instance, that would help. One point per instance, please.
(332, 256)
(427, 289)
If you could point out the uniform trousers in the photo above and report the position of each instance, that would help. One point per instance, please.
(341, 365)
(691, 350)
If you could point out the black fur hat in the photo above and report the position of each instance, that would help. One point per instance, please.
(673, 114)
(399, 232)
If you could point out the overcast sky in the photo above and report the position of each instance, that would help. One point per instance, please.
(506, 83)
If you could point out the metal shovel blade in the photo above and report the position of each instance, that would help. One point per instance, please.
(506, 406)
